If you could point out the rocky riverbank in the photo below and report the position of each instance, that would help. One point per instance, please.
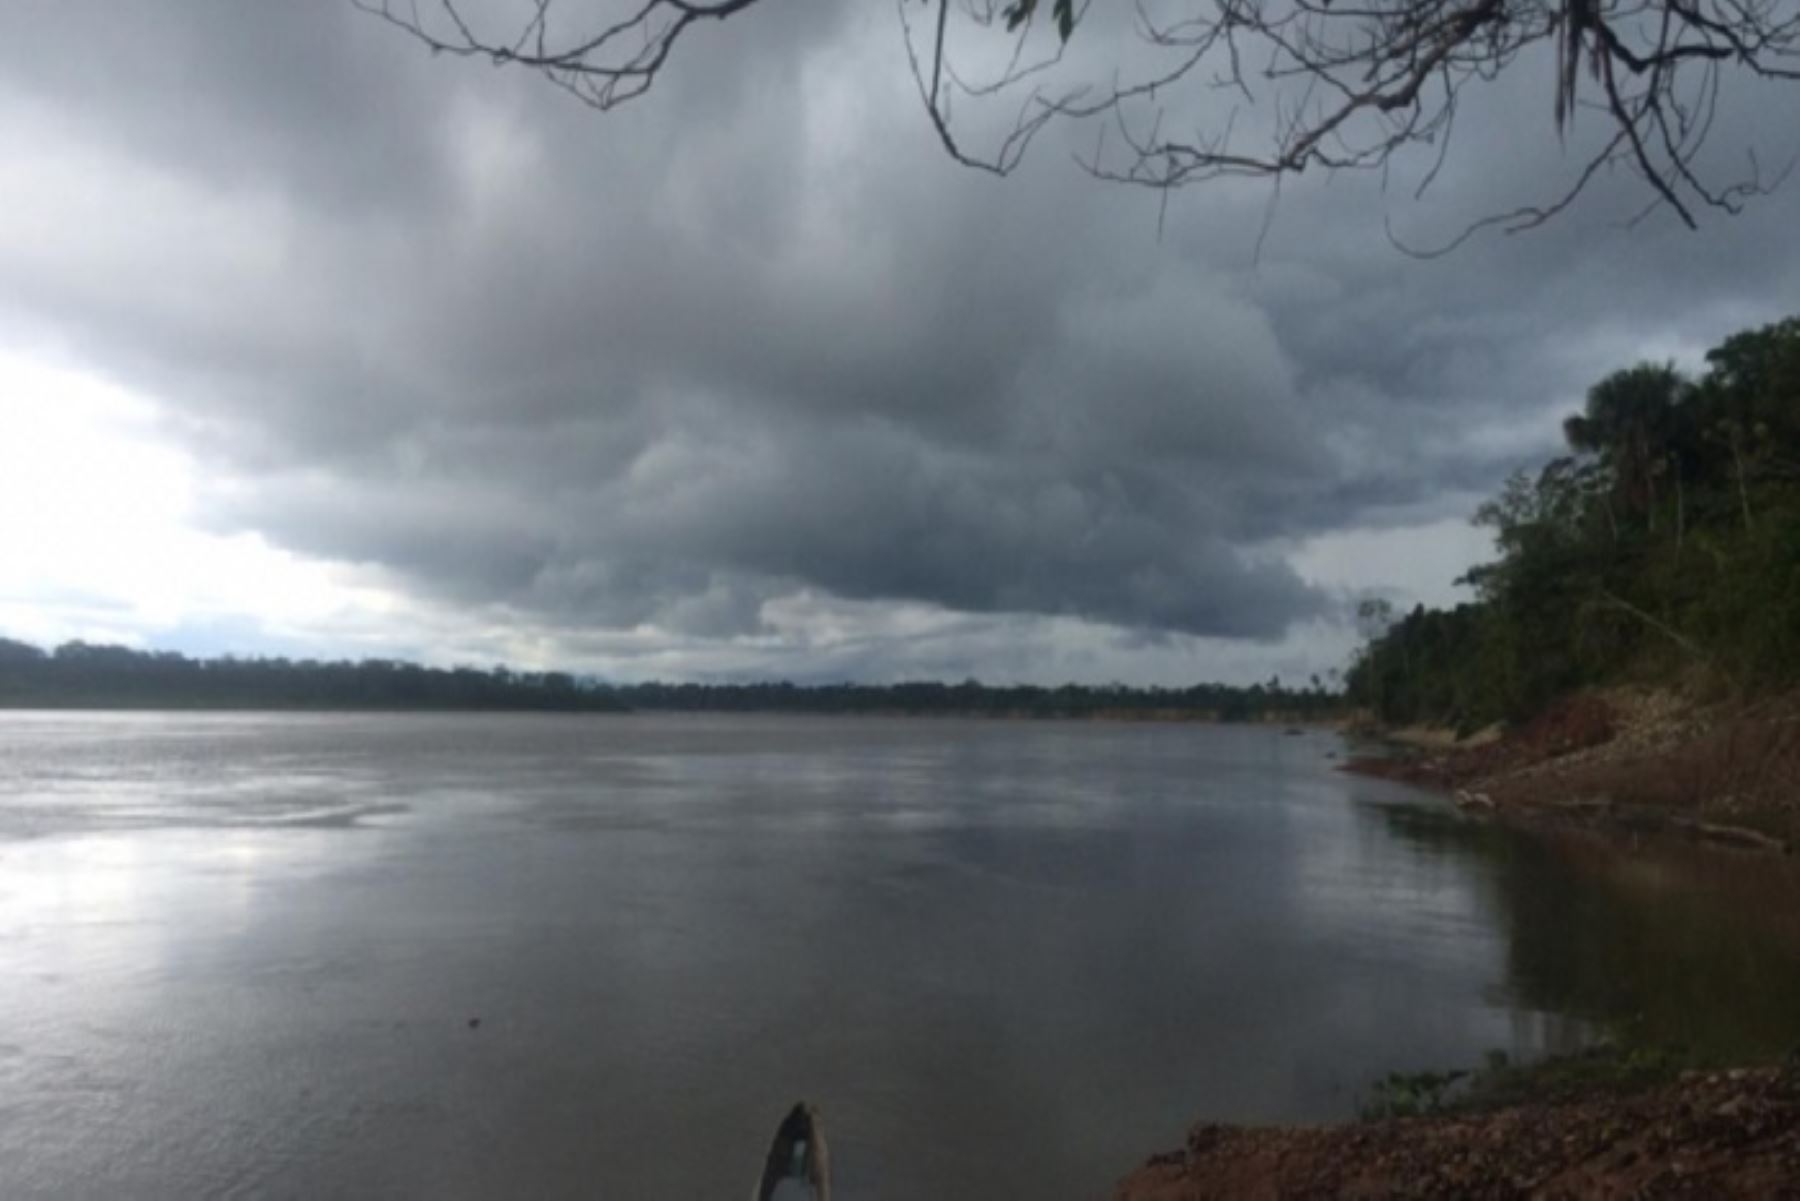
(1728, 1134)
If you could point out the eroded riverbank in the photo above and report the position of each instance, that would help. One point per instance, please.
(1633, 762)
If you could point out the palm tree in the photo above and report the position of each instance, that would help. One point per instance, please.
(1631, 424)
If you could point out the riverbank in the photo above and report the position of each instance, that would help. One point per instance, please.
(1618, 765)
(1723, 1134)
(1629, 761)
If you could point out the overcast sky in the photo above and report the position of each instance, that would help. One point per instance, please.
(313, 343)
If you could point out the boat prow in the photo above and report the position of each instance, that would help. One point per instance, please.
(798, 1167)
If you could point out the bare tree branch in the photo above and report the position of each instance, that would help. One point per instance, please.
(1334, 84)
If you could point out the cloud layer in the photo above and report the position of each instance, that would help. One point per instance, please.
(683, 382)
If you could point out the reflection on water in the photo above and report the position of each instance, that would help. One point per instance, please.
(245, 955)
(1663, 944)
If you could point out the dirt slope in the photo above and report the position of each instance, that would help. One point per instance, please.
(1634, 760)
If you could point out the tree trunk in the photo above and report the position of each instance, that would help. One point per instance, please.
(1680, 510)
(1737, 457)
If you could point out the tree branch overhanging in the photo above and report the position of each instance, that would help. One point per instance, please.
(1325, 85)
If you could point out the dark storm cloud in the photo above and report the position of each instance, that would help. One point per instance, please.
(755, 336)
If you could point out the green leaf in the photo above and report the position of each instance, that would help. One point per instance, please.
(1065, 18)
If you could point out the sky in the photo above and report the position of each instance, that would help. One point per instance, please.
(313, 343)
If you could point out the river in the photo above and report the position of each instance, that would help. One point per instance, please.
(462, 956)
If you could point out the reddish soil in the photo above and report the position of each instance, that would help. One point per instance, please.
(1635, 761)
(1719, 1135)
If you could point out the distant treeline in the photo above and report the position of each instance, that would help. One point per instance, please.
(81, 675)
(1219, 702)
(1665, 545)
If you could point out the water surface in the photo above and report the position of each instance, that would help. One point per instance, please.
(598, 957)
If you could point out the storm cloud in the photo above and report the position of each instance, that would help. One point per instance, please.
(751, 359)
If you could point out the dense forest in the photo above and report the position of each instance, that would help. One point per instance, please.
(1663, 546)
(80, 675)
(1219, 702)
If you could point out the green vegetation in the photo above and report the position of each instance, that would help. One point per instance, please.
(1665, 543)
(81, 675)
(1217, 702)
(1499, 1082)
(1410, 1094)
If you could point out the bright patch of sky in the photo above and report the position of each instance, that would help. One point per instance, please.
(97, 518)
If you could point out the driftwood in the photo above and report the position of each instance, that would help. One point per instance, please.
(1741, 836)
(1641, 818)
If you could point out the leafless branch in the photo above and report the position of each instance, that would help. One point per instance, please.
(1333, 84)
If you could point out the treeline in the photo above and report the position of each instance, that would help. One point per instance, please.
(80, 675)
(1218, 702)
(1664, 544)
